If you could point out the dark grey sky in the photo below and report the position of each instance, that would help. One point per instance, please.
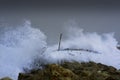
(51, 15)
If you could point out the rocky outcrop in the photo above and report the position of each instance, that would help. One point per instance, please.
(73, 71)
(93, 71)
(6, 78)
(51, 72)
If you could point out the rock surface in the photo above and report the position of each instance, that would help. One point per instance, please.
(6, 78)
(73, 71)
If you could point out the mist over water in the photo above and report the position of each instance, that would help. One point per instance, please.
(20, 46)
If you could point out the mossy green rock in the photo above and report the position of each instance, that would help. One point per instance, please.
(73, 71)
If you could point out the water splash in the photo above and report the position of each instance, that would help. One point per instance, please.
(18, 47)
(105, 44)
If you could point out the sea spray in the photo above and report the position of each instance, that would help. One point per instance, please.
(105, 44)
(18, 47)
